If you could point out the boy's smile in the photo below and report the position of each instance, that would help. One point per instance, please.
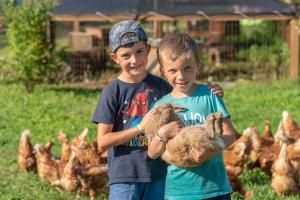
(133, 61)
(181, 74)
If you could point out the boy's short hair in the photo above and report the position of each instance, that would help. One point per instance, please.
(175, 44)
(126, 32)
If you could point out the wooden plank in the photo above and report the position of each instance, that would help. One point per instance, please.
(293, 42)
(76, 26)
(92, 18)
(153, 16)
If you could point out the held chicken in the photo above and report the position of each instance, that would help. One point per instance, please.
(193, 144)
(26, 157)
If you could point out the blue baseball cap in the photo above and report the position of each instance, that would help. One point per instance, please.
(121, 28)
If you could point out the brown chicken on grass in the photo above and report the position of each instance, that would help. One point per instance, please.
(261, 144)
(292, 130)
(93, 174)
(47, 167)
(285, 179)
(257, 144)
(268, 154)
(294, 154)
(94, 179)
(235, 158)
(65, 147)
(267, 137)
(26, 157)
(68, 175)
(86, 153)
(290, 126)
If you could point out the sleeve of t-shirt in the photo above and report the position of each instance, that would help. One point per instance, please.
(106, 108)
(219, 105)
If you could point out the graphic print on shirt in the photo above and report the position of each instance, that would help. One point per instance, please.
(139, 106)
(191, 118)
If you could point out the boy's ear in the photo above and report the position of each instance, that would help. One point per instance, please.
(113, 56)
(148, 48)
(162, 73)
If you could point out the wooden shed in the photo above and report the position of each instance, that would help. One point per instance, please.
(158, 12)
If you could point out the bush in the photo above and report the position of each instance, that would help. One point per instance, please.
(29, 47)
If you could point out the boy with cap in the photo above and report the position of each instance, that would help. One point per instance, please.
(121, 115)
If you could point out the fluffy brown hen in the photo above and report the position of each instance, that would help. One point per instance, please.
(26, 158)
(270, 153)
(260, 144)
(193, 144)
(235, 157)
(294, 154)
(47, 167)
(285, 178)
(94, 179)
(257, 144)
(93, 175)
(68, 175)
(238, 153)
(267, 137)
(290, 126)
(84, 151)
(65, 147)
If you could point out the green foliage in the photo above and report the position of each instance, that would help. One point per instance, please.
(29, 46)
(255, 177)
(267, 57)
(261, 44)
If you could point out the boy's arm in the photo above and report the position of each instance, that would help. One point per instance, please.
(228, 132)
(106, 138)
(158, 143)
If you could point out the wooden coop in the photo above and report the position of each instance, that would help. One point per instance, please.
(211, 22)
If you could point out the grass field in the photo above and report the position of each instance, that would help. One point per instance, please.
(53, 108)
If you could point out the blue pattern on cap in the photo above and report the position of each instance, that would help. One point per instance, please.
(123, 27)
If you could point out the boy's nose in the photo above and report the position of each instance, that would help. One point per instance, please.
(133, 59)
(180, 75)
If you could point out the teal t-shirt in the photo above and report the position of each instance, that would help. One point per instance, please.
(209, 179)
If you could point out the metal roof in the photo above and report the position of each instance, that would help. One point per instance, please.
(173, 7)
(216, 7)
(108, 7)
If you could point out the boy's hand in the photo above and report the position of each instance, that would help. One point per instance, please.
(170, 130)
(146, 118)
(216, 88)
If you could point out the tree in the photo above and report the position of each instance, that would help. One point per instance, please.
(29, 46)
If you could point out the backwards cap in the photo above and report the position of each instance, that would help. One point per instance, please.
(120, 29)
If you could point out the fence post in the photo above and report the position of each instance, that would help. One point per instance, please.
(293, 42)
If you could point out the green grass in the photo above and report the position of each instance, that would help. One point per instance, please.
(50, 109)
(253, 103)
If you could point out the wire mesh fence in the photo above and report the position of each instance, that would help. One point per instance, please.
(248, 48)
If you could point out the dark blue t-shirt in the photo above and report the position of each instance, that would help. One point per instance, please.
(123, 105)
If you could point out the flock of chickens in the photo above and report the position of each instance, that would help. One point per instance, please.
(82, 168)
(277, 156)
